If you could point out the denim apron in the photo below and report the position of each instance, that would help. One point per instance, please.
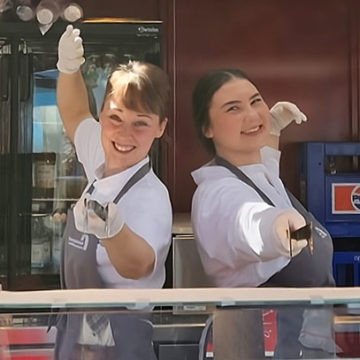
(132, 332)
(303, 270)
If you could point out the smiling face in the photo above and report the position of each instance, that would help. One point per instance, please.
(126, 135)
(239, 121)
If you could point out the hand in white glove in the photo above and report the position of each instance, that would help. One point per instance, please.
(286, 222)
(88, 221)
(282, 114)
(70, 51)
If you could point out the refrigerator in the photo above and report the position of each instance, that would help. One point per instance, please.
(40, 177)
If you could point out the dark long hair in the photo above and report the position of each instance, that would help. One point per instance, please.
(202, 95)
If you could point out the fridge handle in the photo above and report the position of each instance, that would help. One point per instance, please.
(4, 72)
(24, 72)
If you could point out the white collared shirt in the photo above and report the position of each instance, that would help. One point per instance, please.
(233, 226)
(145, 208)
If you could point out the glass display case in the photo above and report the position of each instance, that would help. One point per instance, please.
(40, 177)
(233, 323)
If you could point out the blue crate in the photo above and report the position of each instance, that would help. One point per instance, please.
(317, 186)
(346, 268)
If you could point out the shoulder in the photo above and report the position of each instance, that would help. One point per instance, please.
(151, 193)
(86, 126)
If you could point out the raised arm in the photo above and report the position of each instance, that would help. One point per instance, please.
(281, 115)
(72, 98)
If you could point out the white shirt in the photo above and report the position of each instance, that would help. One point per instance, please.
(145, 208)
(233, 226)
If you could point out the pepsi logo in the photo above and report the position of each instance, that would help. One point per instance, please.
(355, 198)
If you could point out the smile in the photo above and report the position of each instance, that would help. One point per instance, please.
(253, 130)
(123, 148)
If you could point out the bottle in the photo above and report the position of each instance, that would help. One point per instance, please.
(44, 172)
(5, 5)
(47, 11)
(331, 165)
(25, 10)
(40, 243)
(58, 220)
(72, 12)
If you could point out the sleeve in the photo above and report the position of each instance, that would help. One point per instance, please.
(153, 220)
(88, 146)
(233, 224)
(270, 157)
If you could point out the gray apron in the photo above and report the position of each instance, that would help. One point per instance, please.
(303, 270)
(132, 332)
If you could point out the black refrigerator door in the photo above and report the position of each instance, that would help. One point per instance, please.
(5, 168)
(46, 177)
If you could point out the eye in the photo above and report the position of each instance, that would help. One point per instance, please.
(256, 100)
(140, 123)
(115, 117)
(232, 108)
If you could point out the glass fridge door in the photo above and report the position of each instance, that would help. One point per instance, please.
(57, 177)
(47, 160)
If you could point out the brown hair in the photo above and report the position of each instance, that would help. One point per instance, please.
(202, 95)
(141, 86)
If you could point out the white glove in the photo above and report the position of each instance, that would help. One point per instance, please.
(287, 221)
(70, 51)
(87, 221)
(282, 114)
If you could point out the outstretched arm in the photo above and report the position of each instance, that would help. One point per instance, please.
(72, 99)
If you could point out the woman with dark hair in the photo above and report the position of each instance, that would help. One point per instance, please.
(118, 234)
(242, 215)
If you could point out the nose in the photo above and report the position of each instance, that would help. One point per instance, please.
(251, 114)
(124, 129)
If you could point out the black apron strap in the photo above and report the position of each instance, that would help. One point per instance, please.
(132, 181)
(242, 176)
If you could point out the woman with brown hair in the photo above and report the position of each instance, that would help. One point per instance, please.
(118, 233)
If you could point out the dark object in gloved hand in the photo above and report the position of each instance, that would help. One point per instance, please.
(100, 210)
(304, 232)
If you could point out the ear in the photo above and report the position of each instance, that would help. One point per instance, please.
(162, 127)
(100, 118)
(207, 131)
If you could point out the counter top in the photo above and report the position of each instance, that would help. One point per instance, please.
(172, 297)
(182, 224)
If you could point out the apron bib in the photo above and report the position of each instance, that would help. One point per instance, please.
(132, 333)
(303, 270)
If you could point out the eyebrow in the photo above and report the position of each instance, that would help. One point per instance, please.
(138, 114)
(233, 102)
(141, 115)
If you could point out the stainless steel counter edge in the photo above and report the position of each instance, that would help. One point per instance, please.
(182, 296)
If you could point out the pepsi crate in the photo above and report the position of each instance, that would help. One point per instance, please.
(330, 185)
(346, 268)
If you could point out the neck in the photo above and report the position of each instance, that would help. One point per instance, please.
(113, 170)
(240, 159)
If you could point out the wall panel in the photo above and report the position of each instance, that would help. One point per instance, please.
(297, 51)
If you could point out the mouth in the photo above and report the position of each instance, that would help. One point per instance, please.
(253, 131)
(124, 149)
